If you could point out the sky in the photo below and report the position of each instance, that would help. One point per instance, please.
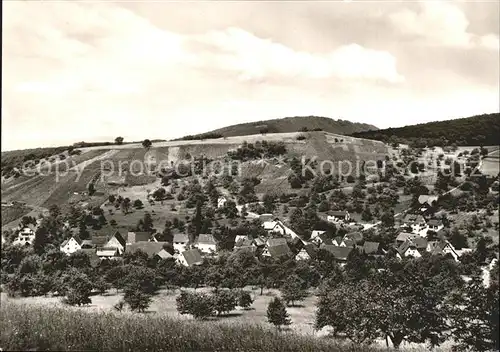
(91, 71)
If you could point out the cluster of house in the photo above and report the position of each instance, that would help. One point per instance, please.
(102, 247)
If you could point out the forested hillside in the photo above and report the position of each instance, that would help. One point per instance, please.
(475, 130)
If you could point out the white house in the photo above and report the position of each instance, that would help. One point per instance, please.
(70, 246)
(277, 226)
(117, 241)
(442, 247)
(221, 201)
(25, 237)
(338, 216)
(180, 242)
(408, 249)
(206, 243)
(435, 225)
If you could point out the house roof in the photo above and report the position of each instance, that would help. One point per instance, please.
(413, 218)
(87, 243)
(338, 213)
(119, 238)
(338, 239)
(136, 236)
(427, 199)
(150, 248)
(276, 241)
(404, 247)
(338, 252)
(243, 242)
(354, 236)
(265, 217)
(316, 233)
(435, 222)
(437, 247)
(192, 257)
(371, 247)
(99, 241)
(325, 238)
(163, 254)
(259, 241)
(77, 239)
(404, 236)
(181, 237)
(349, 243)
(207, 239)
(420, 242)
(310, 249)
(279, 250)
(269, 225)
(250, 249)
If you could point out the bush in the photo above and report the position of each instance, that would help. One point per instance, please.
(199, 305)
(224, 301)
(137, 299)
(245, 299)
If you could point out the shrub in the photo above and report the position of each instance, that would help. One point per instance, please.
(277, 314)
(137, 299)
(199, 305)
(224, 301)
(245, 299)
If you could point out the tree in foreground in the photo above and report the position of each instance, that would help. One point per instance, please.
(199, 305)
(293, 290)
(119, 140)
(79, 289)
(277, 314)
(137, 299)
(473, 311)
(245, 300)
(147, 143)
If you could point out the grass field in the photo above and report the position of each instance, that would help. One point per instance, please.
(43, 328)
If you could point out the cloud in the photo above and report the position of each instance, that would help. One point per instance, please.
(441, 23)
(258, 58)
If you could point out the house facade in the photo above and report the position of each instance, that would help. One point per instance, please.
(25, 237)
(70, 246)
(338, 216)
(206, 243)
(180, 242)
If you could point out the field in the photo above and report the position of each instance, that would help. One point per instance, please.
(62, 329)
(163, 307)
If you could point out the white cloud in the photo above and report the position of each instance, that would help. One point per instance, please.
(441, 23)
(257, 58)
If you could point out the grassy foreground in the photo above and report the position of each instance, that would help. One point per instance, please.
(42, 328)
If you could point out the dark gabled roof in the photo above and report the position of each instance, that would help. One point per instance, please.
(206, 239)
(119, 238)
(297, 243)
(276, 241)
(150, 248)
(420, 242)
(192, 256)
(136, 236)
(338, 239)
(310, 249)
(279, 250)
(337, 213)
(413, 218)
(325, 238)
(434, 222)
(338, 252)
(404, 247)
(99, 241)
(371, 247)
(354, 236)
(181, 237)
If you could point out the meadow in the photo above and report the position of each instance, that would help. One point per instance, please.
(54, 328)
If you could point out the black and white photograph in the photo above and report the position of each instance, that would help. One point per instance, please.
(250, 175)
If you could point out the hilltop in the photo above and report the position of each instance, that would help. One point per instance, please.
(475, 130)
(286, 125)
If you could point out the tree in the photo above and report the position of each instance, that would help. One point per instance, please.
(224, 301)
(41, 240)
(199, 305)
(293, 290)
(245, 300)
(147, 143)
(138, 204)
(119, 140)
(277, 314)
(473, 311)
(79, 289)
(137, 299)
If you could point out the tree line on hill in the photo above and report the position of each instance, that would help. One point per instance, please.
(476, 130)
